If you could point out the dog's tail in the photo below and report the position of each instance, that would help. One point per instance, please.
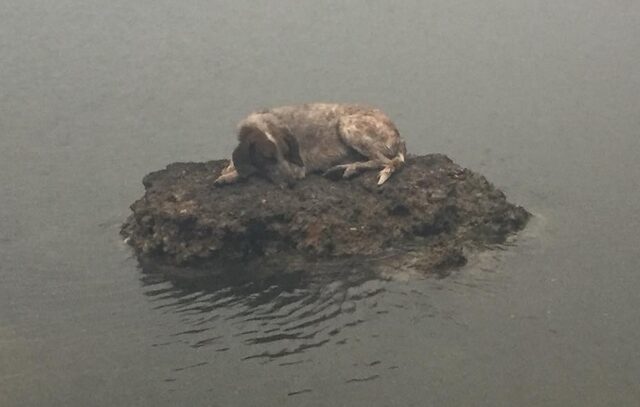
(393, 164)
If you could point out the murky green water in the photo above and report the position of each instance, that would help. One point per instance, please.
(543, 98)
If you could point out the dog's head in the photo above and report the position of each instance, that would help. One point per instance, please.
(273, 154)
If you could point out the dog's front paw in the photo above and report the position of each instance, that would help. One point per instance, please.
(225, 179)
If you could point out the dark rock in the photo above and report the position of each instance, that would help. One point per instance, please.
(421, 219)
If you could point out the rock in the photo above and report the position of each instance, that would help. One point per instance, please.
(422, 219)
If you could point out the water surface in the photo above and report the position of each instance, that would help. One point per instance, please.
(543, 98)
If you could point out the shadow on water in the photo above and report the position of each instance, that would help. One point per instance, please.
(278, 315)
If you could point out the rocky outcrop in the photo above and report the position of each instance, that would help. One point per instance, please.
(423, 219)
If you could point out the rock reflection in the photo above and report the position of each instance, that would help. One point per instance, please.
(281, 314)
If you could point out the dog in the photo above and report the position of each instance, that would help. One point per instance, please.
(285, 143)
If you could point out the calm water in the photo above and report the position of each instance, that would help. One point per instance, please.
(542, 97)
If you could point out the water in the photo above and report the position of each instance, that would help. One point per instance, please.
(543, 98)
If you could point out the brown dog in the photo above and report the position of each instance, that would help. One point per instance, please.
(286, 143)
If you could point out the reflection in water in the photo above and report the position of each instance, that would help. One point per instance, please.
(288, 321)
(272, 318)
(279, 314)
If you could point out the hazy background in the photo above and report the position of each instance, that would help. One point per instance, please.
(542, 97)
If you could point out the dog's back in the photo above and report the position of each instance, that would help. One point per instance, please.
(316, 128)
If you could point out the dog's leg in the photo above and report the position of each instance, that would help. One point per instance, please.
(353, 169)
(375, 138)
(229, 175)
(229, 168)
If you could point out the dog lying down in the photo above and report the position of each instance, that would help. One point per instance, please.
(285, 143)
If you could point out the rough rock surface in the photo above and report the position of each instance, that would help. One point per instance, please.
(422, 218)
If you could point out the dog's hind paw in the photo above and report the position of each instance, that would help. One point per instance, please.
(334, 173)
(384, 175)
(351, 170)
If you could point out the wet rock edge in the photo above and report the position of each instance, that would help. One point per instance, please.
(423, 219)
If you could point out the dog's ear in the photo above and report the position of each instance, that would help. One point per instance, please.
(242, 158)
(288, 143)
(262, 151)
(292, 150)
(254, 151)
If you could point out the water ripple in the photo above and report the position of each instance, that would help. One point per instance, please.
(265, 321)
